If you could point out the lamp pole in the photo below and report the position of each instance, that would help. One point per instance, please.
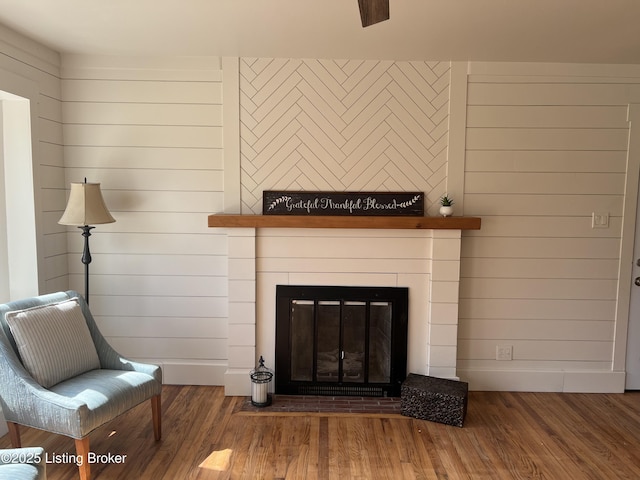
(86, 259)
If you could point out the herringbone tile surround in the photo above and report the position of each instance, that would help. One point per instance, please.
(343, 125)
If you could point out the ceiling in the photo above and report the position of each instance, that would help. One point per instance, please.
(572, 31)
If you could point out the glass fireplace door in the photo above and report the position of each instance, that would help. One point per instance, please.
(335, 341)
(332, 345)
(354, 339)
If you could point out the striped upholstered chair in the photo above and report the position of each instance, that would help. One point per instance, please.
(59, 374)
(23, 464)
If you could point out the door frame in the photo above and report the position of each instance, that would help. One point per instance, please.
(627, 241)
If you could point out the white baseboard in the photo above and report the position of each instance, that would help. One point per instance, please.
(237, 382)
(596, 381)
(193, 373)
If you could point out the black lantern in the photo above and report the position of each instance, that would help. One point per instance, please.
(260, 380)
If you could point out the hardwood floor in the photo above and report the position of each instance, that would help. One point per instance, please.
(506, 436)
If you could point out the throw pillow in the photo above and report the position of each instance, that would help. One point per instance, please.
(54, 341)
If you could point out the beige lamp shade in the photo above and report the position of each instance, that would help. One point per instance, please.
(86, 206)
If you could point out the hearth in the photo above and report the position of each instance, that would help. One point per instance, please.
(338, 340)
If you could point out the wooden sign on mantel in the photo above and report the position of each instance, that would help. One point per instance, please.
(343, 203)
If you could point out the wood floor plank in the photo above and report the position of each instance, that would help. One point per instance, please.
(323, 448)
(425, 458)
(384, 454)
(507, 435)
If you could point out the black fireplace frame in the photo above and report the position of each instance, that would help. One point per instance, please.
(397, 296)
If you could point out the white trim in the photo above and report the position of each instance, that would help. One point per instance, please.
(543, 381)
(553, 69)
(457, 132)
(185, 373)
(25, 252)
(237, 382)
(231, 133)
(241, 352)
(628, 241)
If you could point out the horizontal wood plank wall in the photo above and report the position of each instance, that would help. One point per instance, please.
(37, 64)
(150, 131)
(23, 58)
(544, 151)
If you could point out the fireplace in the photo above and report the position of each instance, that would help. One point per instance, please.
(266, 251)
(340, 340)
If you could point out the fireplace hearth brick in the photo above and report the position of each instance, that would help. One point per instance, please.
(434, 399)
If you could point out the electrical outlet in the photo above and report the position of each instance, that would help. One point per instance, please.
(600, 220)
(504, 352)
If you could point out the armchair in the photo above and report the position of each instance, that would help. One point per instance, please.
(72, 381)
(23, 464)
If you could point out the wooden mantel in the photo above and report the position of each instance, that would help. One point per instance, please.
(312, 221)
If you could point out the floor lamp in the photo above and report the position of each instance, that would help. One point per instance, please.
(86, 207)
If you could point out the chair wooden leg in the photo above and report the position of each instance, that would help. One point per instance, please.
(82, 451)
(14, 434)
(156, 414)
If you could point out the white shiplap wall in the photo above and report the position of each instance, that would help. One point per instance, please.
(31, 70)
(544, 151)
(150, 131)
(546, 146)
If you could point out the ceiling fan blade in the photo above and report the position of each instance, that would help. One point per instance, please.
(373, 11)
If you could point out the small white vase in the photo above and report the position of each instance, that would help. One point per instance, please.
(446, 211)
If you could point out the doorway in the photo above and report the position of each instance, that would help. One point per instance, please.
(632, 366)
(18, 251)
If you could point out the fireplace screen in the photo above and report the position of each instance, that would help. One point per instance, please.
(341, 340)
